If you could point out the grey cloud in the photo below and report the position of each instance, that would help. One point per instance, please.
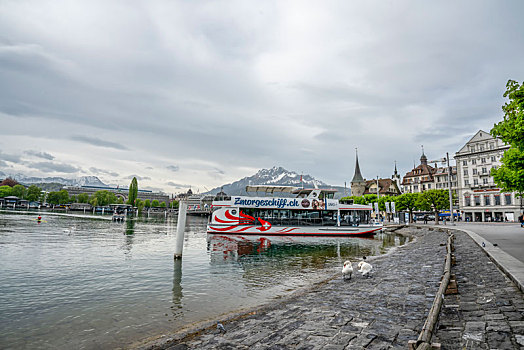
(52, 167)
(130, 177)
(174, 168)
(385, 81)
(103, 171)
(13, 158)
(216, 173)
(154, 189)
(43, 155)
(98, 142)
(177, 185)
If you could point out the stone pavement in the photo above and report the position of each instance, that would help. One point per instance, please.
(488, 311)
(380, 312)
(384, 311)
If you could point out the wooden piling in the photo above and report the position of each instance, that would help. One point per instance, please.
(180, 228)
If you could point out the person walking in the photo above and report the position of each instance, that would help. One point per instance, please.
(521, 220)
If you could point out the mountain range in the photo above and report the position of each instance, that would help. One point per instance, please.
(80, 181)
(275, 176)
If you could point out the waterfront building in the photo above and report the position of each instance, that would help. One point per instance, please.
(480, 199)
(421, 178)
(386, 187)
(119, 192)
(441, 177)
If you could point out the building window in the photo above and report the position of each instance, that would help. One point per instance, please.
(497, 199)
(465, 162)
(484, 170)
(477, 200)
(508, 198)
(467, 201)
(493, 159)
(429, 186)
(486, 200)
(475, 181)
(483, 160)
(474, 171)
(466, 182)
(473, 161)
(415, 188)
(485, 181)
(465, 171)
(482, 147)
(491, 145)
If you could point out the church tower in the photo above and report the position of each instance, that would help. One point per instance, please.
(358, 184)
(396, 178)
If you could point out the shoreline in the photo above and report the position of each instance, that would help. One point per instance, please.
(195, 329)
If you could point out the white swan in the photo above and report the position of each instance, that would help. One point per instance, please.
(364, 268)
(347, 269)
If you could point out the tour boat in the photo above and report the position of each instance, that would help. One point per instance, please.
(312, 212)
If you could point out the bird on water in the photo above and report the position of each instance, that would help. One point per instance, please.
(347, 269)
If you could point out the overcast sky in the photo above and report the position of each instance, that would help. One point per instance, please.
(203, 93)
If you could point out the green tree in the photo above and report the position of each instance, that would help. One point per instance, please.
(60, 197)
(82, 198)
(133, 192)
(155, 203)
(120, 200)
(147, 203)
(510, 176)
(174, 204)
(33, 193)
(104, 198)
(435, 200)
(140, 205)
(163, 205)
(72, 199)
(19, 191)
(407, 201)
(5, 191)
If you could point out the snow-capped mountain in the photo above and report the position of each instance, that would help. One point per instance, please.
(273, 176)
(80, 181)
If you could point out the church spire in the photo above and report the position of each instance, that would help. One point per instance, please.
(423, 158)
(358, 176)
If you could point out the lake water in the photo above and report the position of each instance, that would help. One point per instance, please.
(89, 283)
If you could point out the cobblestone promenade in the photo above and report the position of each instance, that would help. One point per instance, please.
(488, 312)
(386, 310)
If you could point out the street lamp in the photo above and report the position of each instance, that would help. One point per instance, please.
(450, 195)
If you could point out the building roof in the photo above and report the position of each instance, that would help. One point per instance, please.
(422, 169)
(358, 176)
(383, 185)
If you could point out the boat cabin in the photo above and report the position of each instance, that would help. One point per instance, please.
(308, 207)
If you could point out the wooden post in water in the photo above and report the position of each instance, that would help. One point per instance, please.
(180, 228)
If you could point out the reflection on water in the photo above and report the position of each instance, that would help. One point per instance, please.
(73, 282)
